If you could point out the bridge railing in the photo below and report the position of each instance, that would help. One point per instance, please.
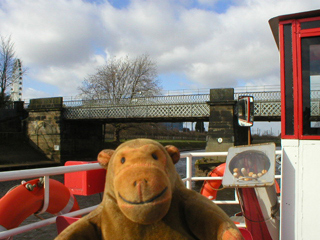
(170, 99)
(195, 110)
(261, 96)
(139, 101)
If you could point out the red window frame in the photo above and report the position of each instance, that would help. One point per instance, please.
(283, 83)
(297, 35)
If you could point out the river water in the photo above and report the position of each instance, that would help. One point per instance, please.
(50, 232)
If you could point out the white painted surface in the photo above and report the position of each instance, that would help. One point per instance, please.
(300, 209)
(288, 170)
(268, 201)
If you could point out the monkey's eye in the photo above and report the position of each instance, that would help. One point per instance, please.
(123, 160)
(155, 157)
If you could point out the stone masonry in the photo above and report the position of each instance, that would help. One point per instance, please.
(44, 132)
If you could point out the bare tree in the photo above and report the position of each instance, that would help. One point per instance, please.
(122, 79)
(7, 67)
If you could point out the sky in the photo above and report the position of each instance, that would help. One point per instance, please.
(195, 43)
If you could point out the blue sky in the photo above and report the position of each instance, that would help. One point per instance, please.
(219, 6)
(195, 43)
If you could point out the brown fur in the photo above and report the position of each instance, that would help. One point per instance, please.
(144, 198)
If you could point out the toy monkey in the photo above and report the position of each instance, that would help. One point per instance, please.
(145, 198)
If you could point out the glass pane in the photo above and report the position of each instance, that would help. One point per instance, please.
(310, 48)
(309, 25)
(288, 72)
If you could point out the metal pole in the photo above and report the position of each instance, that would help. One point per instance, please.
(189, 171)
(46, 192)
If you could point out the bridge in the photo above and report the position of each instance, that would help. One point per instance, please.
(62, 128)
(192, 107)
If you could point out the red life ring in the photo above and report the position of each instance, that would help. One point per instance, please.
(20, 202)
(209, 188)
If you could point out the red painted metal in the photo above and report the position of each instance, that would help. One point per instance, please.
(295, 80)
(254, 219)
(63, 222)
(299, 82)
(85, 183)
(246, 234)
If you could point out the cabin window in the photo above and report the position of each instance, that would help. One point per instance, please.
(310, 64)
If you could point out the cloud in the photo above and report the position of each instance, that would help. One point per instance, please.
(62, 41)
(69, 79)
(209, 48)
(51, 32)
(33, 93)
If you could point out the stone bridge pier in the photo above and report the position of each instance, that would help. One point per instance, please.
(61, 140)
(224, 131)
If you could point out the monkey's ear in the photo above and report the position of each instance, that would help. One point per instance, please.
(173, 152)
(104, 157)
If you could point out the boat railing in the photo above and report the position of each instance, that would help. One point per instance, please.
(45, 173)
(189, 175)
(50, 171)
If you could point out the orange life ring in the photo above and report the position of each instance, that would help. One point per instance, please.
(21, 202)
(210, 187)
